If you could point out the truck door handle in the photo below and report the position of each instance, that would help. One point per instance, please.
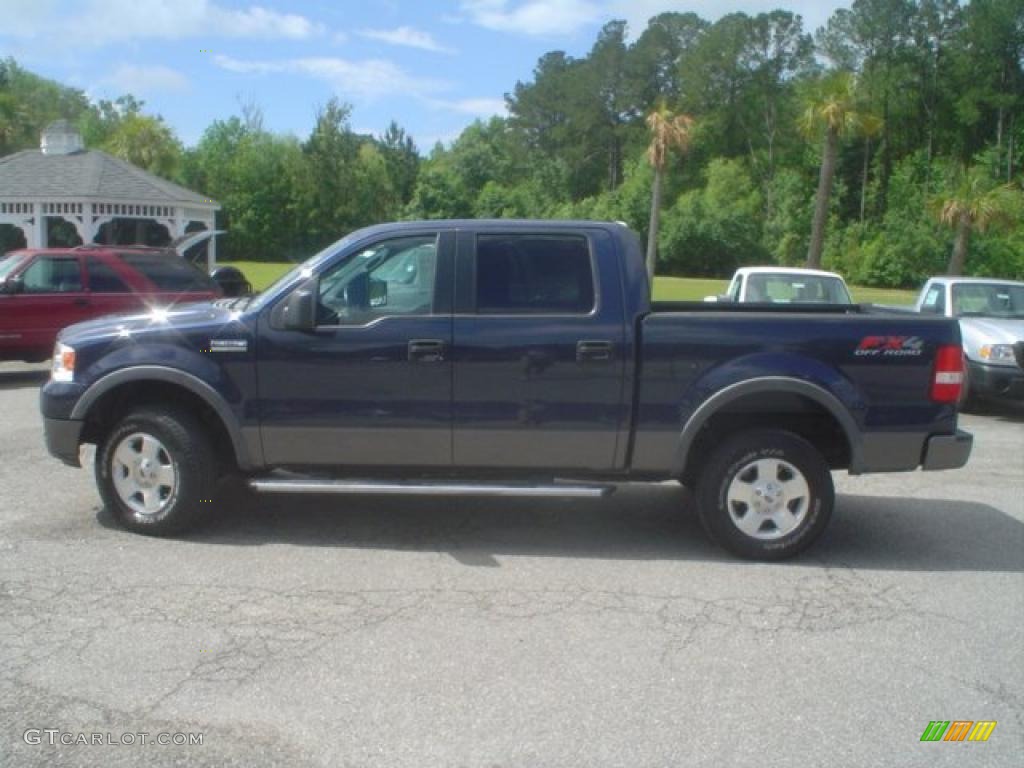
(426, 351)
(81, 302)
(594, 351)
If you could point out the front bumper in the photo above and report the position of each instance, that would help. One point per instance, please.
(63, 439)
(947, 451)
(995, 380)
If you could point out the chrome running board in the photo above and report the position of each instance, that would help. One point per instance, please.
(447, 488)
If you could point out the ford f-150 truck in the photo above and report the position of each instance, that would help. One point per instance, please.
(502, 358)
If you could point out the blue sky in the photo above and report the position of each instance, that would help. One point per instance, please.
(432, 66)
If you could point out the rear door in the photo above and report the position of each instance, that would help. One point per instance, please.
(539, 344)
(52, 297)
(173, 280)
(109, 290)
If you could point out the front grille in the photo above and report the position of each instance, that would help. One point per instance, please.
(1018, 352)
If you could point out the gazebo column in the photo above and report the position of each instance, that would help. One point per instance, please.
(180, 222)
(37, 238)
(84, 224)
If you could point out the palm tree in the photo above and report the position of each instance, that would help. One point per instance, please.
(975, 203)
(833, 109)
(668, 131)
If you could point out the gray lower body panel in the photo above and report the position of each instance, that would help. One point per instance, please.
(63, 439)
(948, 451)
(891, 451)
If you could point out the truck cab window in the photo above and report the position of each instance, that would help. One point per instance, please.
(934, 300)
(534, 274)
(394, 277)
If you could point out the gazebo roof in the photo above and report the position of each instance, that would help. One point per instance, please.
(88, 174)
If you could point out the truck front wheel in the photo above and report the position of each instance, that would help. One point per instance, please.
(156, 470)
(765, 494)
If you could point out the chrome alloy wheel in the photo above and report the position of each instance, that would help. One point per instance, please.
(145, 476)
(768, 499)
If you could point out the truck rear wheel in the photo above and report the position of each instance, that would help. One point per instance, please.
(156, 470)
(765, 494)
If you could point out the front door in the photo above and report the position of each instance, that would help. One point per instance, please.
(371, 385)
(52, 297)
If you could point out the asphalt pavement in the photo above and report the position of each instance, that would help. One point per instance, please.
(408, 632)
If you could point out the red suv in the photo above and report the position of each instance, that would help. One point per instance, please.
(44, 290)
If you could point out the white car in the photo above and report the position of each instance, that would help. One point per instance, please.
(991, 315)
(785, 285)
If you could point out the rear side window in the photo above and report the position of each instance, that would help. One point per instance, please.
(533, 274)
(935, 300)
(103, 279)
(736, 288)
(51, 274)
(169, 272)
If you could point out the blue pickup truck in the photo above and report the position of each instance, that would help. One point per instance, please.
(519, 358)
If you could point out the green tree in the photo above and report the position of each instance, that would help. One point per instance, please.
(147, 142)
(668, 132)
(402, 160)
(716, 228)
(974, 202)
(331, 152)
(832, 110)
(99, 123)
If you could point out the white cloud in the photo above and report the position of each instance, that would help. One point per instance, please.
(638, 12)
(128, 78)
(551, 18)
(101, 22)
(408, 37)
(482, 107)
(542, 18)
(367, 78)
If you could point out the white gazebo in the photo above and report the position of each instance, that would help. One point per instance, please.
(89, 188)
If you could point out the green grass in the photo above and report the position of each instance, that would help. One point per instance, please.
(696, 288)
(263, 273)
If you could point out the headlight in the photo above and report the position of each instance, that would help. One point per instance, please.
(997, 353)
(63, 363)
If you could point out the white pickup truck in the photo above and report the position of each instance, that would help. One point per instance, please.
(785, 285)
(991, 315)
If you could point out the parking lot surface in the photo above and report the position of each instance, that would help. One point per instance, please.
(408, 632)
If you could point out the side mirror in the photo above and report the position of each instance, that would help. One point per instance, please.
(12, 285)
(299, 311)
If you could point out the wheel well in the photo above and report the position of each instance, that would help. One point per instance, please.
(771, 410)
(112, 405)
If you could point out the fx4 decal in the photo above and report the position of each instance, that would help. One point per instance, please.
(890, 346)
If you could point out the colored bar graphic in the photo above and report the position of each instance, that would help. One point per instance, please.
(958, 730)
(982, 730)
(934, 730)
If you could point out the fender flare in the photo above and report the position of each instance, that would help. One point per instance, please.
(733, 392)
(187, 381)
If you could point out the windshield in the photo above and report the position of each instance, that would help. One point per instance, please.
(988, 300)
(797, 289)
(304, 268)
(7, 264)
